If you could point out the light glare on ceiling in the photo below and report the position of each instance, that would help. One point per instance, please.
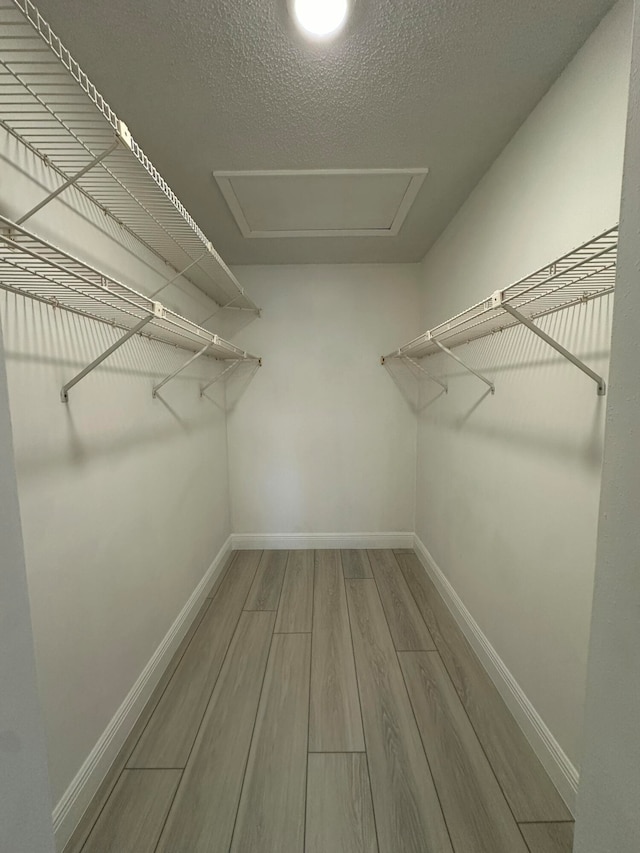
(321, 18)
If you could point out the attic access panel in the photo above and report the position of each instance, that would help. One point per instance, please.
(321, 203)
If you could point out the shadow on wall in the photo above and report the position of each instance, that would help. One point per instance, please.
(111, 410)
(528, 375)
(238, 383)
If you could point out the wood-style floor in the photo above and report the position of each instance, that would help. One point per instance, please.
(326, 702)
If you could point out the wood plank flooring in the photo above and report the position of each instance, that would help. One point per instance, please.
(548, 837)
(460, 768)
(339, 808)
(408, 815)
(407, 626)
(296, 601)
(204, 811)
(525, 784)
(335, 723)
(326, 702)
(132, 819)
(172, 730)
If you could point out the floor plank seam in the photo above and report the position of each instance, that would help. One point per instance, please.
(415, 720)
(306, 777)
(536, 822)
(208, 702)
(373, 810)
(202, 614)
(286, 633)
(104, 805)
(253, 731)
(364, 735)
(195, 740)
(224, 660)
(466, 712)
(484, 752)
(166, 817)
(341, 752)
(468, 716)
(198, 619)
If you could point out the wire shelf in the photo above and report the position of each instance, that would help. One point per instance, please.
(35, 268)
(50, 105)
(586, 273)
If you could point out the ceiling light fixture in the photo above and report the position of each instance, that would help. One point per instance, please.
(321, 18)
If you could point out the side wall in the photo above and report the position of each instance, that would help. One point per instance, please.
(508, 486)
(608, 815)
(25, 800)
(325, 443)
(124, 499)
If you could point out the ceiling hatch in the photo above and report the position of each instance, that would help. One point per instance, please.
(321, 203)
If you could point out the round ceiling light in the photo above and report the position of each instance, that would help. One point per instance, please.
(321, 18)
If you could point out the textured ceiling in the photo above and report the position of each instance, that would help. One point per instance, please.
(231, 85)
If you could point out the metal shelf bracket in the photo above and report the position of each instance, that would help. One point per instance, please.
(498, 301)
(158, 312)
(182, 271)
(173, 375)
(70, 181)
(226, 372)
(462, 363)
(426, 373)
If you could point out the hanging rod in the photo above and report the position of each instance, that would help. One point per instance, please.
(49, 104)
(581, 275)
(37, 269)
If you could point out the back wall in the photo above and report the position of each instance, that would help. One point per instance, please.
(325, 442)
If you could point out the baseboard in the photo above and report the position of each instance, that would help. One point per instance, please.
(84, 786)
(305, 541)
(553, 758)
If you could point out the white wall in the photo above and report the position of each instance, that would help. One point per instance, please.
(508, 486)
(25, 799)
(124, 499)
(608, 814)
(325, 441)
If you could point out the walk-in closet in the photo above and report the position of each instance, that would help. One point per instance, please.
(319, 414)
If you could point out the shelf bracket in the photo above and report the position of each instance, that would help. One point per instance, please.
(461, 362)
(69, 182)
(182, 272)
(222, 307)
(173, 375)
(426, 372)
(226, 372)
(600, 383)
(64, 393)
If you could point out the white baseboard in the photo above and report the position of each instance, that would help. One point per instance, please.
(84, 786)
(563, 773)
(305, 541)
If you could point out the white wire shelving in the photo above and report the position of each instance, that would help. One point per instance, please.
(581, 275)
(37, 269)
(50, 105)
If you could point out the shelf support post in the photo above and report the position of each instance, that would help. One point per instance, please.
(426, 372)
(69, 182)
(226, 372)
(600, 383)
(64, 394)
(173, 375)
(461, 362)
